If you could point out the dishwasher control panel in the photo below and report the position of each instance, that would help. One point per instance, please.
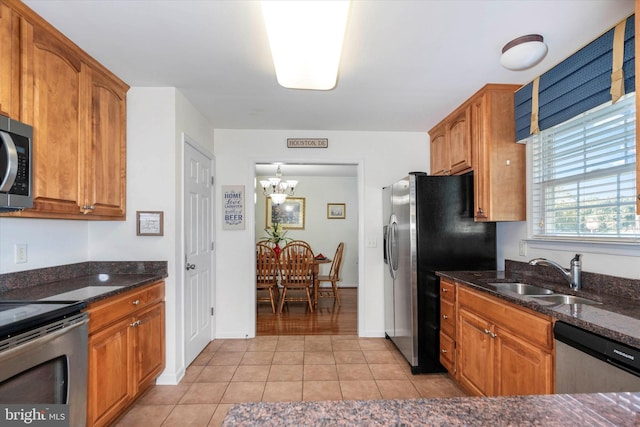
(612, 352)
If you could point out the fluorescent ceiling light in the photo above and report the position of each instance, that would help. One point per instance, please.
(306, 39)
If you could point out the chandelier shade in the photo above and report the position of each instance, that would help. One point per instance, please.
(277, 189)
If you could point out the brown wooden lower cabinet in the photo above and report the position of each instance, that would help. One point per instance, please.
(126, 350)
(502, 349)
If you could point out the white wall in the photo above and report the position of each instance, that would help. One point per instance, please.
(383, 157)
(156, 119)
(322, 233)
(49, 242)
(613, 260)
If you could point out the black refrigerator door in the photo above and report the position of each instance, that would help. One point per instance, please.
(448, 237)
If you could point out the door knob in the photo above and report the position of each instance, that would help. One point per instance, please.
(190, 266)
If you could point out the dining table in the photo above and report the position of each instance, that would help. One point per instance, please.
(315, 271)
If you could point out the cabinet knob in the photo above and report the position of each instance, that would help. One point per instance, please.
(444, 316)
(445, 290)
(443, 351)
(486, 331)
(136, 302)
(135, 324)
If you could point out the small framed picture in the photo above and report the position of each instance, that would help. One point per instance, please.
(336, 210)
(289, 214)
(150, 223)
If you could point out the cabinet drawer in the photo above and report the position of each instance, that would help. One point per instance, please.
(526, 324)
(447, 290)
(111, 309)
(447, 318)
(447, 352)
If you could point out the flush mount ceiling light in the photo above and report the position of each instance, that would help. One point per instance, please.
(306, 39)
(523, 52)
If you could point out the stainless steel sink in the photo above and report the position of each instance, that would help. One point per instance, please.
(566, 299)
(521, 288)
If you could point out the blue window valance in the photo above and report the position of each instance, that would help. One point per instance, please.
(577, 84)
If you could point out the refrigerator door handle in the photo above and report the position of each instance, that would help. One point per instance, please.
(392, 233)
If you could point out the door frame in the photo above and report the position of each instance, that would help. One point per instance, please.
(360, 165)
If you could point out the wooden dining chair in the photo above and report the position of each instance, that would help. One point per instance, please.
(301, 242)
(267, 273)
(296, 262)
(333, 277)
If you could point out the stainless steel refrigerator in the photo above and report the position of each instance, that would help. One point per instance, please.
(429, 227)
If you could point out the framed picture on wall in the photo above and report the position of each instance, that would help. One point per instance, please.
(336, 210)
(290, 213)
(150, 223)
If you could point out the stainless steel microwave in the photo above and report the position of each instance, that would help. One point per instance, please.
(15, 165)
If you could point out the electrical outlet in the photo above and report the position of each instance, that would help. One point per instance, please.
(20, 253)
(523, 248)
(372, 243)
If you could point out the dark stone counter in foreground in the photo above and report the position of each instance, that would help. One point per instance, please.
(561, 410)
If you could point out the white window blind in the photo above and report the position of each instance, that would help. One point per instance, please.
(583, 176)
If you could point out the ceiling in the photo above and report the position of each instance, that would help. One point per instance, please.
(405, 65)
(306, 169)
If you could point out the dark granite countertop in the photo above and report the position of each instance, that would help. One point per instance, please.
(88, 282)
(605, 409)
(617, 317)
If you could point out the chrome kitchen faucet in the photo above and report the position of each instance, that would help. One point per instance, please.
(572, 274)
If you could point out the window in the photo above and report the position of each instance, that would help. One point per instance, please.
(583, 176)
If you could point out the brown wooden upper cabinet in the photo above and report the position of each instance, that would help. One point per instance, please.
(479, 136)
(78, 112)
(451, 144)
(637, 61)
(9, 54)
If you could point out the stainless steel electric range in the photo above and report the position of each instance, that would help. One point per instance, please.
(43, 355)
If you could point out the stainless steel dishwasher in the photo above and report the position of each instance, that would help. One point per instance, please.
(590, 363)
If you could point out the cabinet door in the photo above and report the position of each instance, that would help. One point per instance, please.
(52, 100)
(150, 345)
(474, 347)
(481, 177)
(110, 385)
(521, 368)
(460, 142)
(637, 61)
(439, 151)
(104, 171)
(9, 62)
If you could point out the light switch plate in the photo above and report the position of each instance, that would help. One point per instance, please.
(523, 247)
(20, 253)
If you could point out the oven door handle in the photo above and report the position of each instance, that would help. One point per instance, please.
(41, 340)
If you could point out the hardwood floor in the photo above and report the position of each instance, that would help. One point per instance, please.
(296, 319)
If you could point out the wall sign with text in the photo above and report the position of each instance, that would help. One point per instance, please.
(307, 142)
(233, 207)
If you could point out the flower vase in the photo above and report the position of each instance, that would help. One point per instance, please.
(276, 249)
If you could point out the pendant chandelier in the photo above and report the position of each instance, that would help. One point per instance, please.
(277, 189)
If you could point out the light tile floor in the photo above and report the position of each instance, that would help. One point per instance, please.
(283, 368)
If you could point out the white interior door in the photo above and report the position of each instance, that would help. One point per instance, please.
(198, 206)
